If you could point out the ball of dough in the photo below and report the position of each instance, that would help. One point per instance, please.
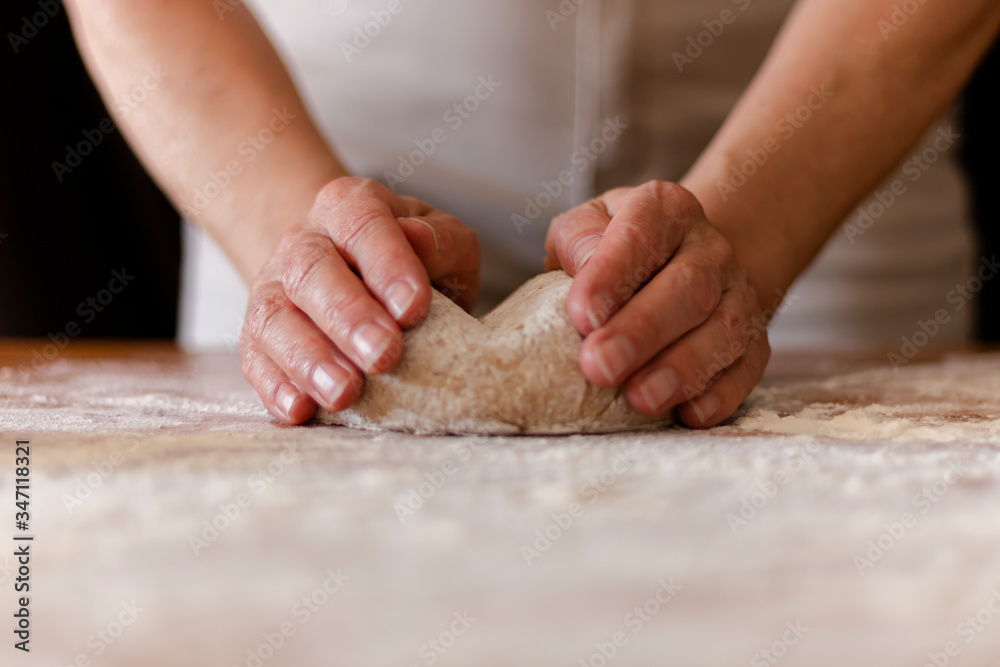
(515, 371)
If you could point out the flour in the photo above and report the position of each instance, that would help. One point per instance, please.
(954, 400)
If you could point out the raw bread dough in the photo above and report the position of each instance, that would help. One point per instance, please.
(514, 371)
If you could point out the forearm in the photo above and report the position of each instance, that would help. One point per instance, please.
(882, 87)
(223, 131)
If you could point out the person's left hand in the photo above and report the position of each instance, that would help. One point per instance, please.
(663, 303)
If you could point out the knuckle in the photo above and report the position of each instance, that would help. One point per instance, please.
(262, 312)
(301, 264)
(590, 207)
(725, 254)
(676, 197)
(700, 288)
(560, 220)
(340, 309)
(665, 189)
(647, 238)
(299, 354)
(334, 192)
(612, 195)
(412, 206)
(353, 229)
(736, 333)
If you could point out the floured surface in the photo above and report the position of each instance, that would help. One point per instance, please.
(516, 370)
(841, 457)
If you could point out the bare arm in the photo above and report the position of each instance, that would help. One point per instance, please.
(223, 85)
(883, 84)
(693, 336)
(337, 265)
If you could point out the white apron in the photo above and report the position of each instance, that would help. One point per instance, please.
(478, 108)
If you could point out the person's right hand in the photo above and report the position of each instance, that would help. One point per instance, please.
(330, 305)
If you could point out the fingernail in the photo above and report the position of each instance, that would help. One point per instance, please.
(584, 249)
(400, 296)
(614, 356)
(330, 381)
(705, 407)
(437, 239)
(657, 387)
(286, 397)
(370, 341)
(600, 308)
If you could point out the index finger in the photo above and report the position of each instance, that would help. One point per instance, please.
(363, 226)
(647, 226)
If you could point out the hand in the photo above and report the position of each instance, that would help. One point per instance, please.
(664, 305)
(330, 305)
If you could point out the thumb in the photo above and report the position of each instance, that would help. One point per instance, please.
(574, 236)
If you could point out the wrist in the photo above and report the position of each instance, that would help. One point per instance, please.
(760, 249)
(260, 211)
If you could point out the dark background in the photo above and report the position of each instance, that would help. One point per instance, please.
(64, 239)
(980, 152)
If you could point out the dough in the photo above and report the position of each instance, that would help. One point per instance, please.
(514, 371)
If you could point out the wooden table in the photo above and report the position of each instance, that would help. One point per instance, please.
(850, 515)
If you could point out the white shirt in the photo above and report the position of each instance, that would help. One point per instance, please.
(478, 108)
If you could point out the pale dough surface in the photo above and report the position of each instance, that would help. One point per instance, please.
(514, 371)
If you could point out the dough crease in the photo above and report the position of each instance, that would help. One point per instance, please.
(514, 371)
